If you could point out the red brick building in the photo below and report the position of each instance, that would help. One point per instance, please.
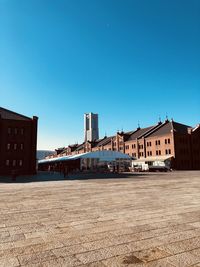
(166, 140)
(18, 140)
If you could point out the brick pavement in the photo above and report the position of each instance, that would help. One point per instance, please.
(139, 220)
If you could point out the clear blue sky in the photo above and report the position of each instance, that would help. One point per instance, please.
(128, 60)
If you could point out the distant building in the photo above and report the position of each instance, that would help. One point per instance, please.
(91, 128)
(18, 141)
(171, 143)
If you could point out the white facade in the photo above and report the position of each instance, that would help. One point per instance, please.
(91, 128)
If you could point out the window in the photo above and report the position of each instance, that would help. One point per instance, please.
(22, 131)
(148, 143)
(8, 146)
(141, 154)
(9, 130)
(167, 151)
(167, 141)
(150, 153)
(15, 130)
(15, 146)
(127, 147)
(14, 162)
(157, 142)
(133, 146)
(7, 162)
(20, 162)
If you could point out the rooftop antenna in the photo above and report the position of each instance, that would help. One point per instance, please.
(159, 118)
(138, 124)
(166, 116)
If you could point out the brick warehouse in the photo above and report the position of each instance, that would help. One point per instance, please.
(18, 140)
(168, 139)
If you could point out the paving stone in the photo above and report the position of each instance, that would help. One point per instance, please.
(101, 254)
(9, 262)
(151, 254)
(183, 259)
(36, 257)
(139, 220)
(181, 246)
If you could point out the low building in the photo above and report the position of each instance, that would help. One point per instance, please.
(18, 142)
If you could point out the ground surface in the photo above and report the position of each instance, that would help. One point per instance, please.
(137, 220)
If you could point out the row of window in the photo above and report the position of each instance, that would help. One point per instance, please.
(14, 162)
(133, 146)
(15, 131)
(15, 146)
(157, 142)
(149, 153)
(149, 143)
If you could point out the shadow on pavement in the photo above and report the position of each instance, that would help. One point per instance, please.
(56, 176)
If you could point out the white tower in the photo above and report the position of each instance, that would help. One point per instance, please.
(91, 128)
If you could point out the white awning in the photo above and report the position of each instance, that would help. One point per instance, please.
(150, 159)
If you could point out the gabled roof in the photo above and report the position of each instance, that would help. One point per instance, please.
(180, 128)
(79, 147)
(167, 127)
(140, 132)
(10, 115)
(105, 141)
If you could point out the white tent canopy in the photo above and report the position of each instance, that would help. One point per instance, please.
(105, 155)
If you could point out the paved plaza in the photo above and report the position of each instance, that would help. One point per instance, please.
(131, 220)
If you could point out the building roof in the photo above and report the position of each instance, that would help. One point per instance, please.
(10, 115)
(181, 128)
(79, 147)
(140, 132)
(167, 127)
(104, 141)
